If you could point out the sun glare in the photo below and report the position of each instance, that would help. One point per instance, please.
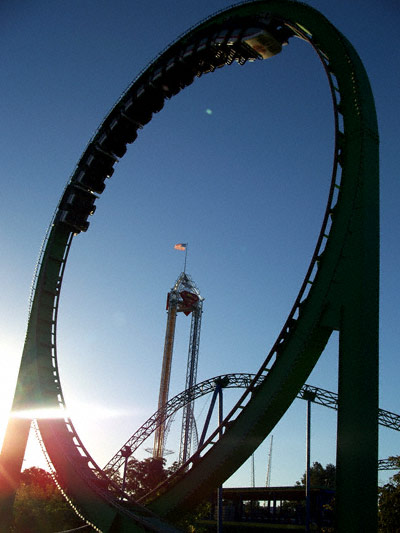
(77, 411)
(40, 414)
(10, 357)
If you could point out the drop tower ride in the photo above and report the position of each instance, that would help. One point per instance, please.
(184, 297)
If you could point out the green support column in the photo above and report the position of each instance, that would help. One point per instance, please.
(357, 437)
(357, 450)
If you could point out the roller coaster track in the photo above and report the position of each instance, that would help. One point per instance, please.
(228, 381)
(339, 292)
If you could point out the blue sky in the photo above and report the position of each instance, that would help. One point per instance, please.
(245, 185)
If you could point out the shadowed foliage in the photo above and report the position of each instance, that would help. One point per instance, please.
(389, 502)
(40, 506)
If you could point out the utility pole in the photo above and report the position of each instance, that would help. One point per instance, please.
(309, 396)
(126, 452)
(219, 490)
(268, 480)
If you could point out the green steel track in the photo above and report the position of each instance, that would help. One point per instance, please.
(339, 292)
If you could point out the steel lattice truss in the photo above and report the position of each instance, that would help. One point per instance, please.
(388, 464)
(241, 380)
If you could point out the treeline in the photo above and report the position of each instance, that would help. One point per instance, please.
(41, 508)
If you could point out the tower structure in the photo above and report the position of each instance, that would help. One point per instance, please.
(184, 297)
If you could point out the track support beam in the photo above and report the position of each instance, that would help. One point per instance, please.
(358, 408)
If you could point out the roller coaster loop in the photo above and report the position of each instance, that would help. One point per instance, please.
(339, 292)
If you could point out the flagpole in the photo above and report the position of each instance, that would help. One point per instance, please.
(184, 267)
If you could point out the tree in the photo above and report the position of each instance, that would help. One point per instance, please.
(39, 505)
(320, 477)
(143, 476)
(389, 502)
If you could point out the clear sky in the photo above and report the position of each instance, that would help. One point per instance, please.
(238, 165)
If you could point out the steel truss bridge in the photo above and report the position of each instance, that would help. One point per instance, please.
(339, 291)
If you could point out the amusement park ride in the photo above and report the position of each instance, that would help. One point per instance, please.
(185, 298)
(339, 292)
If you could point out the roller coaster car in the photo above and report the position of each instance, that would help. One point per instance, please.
(189, 51)
(221, 37)
(151, 96)
(76, 222)
(227, 46)
(181, 70)
(124, 128)
(75, 206)
(91, 181)
(262, 42)
(176, 75)
(94, 167)
(78, 200)
(210, 58)
(138, 110)
(234, 37)
(111, 142)
(203, 45)
(117, 133)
